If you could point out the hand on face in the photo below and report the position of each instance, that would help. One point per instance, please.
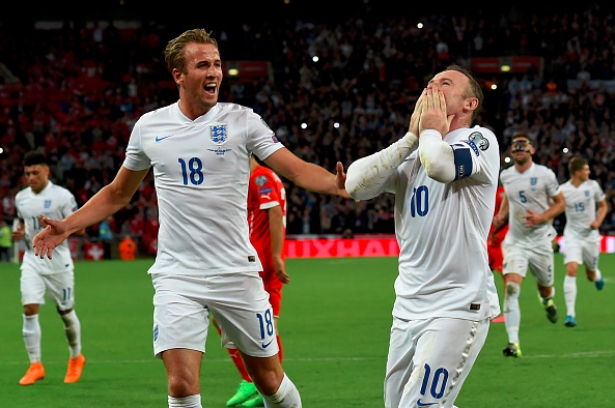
(433, 112)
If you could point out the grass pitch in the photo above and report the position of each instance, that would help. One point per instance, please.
(336, 315)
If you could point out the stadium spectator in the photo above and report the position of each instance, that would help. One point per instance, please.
(444, 174)
(95, 106)
(533, 199)
(583, 196)
(53, 277)
(199, 150)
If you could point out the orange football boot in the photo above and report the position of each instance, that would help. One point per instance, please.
(35, 372)
(75, 367)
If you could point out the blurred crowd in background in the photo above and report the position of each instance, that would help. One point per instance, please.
(75, 91)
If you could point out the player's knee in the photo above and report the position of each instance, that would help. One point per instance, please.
(512, 289)
(182, 386)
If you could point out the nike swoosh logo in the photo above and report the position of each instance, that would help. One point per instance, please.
(160, 139)
(263, 345)
(420, 404)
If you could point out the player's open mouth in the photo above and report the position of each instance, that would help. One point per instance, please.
(210, 88)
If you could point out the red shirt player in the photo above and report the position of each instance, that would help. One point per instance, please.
(267, 222)
(494, 243)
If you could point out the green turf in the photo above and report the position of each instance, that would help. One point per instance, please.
(334, 326)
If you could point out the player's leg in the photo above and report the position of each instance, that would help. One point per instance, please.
(33, 289)
(515, 267)
(246, 388)
(249, 323)
(542, 267)
(425, 366)
(591, 252)
(180, 330)
(273, 286)
(572, 258)
(61, 288)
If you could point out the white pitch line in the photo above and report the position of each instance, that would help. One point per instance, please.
(575, 355)
(581, 354)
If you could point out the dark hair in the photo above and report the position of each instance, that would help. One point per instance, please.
(576, 164)
(521, 135)
(33, 158)
(475, 89)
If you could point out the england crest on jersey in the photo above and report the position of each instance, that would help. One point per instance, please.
(533, 181)
(218, 134)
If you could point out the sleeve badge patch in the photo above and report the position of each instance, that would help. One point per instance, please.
(479, 140)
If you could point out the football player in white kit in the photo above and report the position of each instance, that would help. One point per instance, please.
(200, 152)
(444, 174)
(53, 277)
(581, 233)
(533, 198)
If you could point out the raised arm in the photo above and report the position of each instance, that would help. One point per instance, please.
(107, 201)
(368, 176)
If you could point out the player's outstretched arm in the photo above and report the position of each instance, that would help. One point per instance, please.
(107, 201)
(307, 175)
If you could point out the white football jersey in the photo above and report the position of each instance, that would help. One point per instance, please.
(581, 209)
(54, 202)
(201, 172)
(533, 190)
(442, 232)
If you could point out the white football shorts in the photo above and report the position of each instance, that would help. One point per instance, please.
(60, 287)
(539, 259)
(582, 252)
(430, 359)
(238, 301)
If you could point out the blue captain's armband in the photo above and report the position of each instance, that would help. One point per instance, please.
(463, 160)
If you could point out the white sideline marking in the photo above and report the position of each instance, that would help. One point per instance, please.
(575, 355)
(581, 354)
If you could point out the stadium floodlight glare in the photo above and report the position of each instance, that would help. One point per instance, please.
(507, 159)
(494, 87)
(565, 150)
(336, 125)
(315, 58)
(233, 72)
(505, 68)
(303, 125)
(1, 150)
(419, 25)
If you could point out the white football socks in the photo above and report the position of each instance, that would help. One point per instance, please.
(287, 396)
(512, 311)
(32, 337)
(72, 329)
(191, 401)
(570, 294)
